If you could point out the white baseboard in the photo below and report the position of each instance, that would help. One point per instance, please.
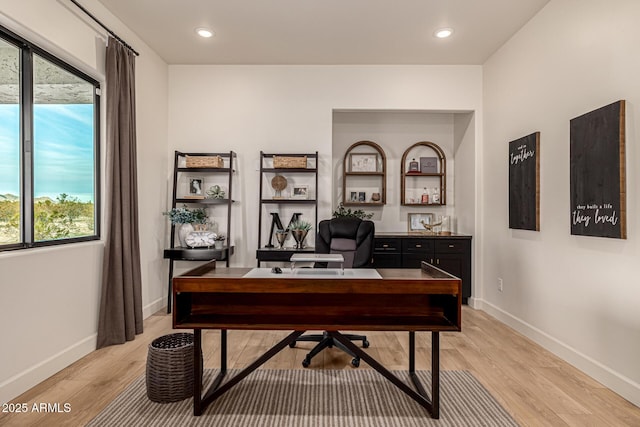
(618, 383)
(18, 384)
(153, 307)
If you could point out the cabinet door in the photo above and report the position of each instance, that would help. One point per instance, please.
(454, 257)
(387, 253)
(414, 251)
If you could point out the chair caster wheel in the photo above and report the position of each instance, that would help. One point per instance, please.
(355, 362)
(365, 344)
(306, 363)
(292, 344)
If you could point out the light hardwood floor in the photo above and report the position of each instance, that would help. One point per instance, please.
(535, 387)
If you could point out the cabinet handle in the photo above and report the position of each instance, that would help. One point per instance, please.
(418, 246)
(452, 246)
(385, 246)
(431, 261)
(438, 261)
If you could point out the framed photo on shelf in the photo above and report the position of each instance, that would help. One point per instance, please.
(364, 162)
(416, 222)
(300, 192)
(196, 186)
(354, 196)
(362, 197)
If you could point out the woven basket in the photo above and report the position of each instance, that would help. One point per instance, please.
(204, 161)
(289, 162)
(170, 368)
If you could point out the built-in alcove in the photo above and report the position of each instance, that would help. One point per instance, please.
(395, 131)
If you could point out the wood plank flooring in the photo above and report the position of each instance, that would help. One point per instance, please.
(535, 387)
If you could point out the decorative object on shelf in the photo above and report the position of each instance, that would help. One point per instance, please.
(420, 222)
(354, 197)
(185, 217)
(204, 161)
(219, 241)
(284, 162)
(199, 238)
(428, 165)
(276, 224)
(195, 187)
(299, 230)
(215, 192)
(281, 237)
(300, 192)
(413, 166)
(375, 197)
(435, 196)
(278, 183)
(425, 196)
(362, 197)
(341, 211)
(364, 162)
(445, 229)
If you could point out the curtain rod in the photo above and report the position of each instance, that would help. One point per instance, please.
(105, 27)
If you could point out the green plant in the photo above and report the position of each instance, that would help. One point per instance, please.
(220, 237)
(184, 215)
(341, 211)
(300, 225)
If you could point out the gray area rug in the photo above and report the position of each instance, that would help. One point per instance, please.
(350, 397)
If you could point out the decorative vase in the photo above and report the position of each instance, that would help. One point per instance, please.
(218, 244)
(183, 232)
(281, 236)
(299, 236)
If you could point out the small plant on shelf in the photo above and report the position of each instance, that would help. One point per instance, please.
(341, 211)
(300, 225)
(221, 237)
(184, 215)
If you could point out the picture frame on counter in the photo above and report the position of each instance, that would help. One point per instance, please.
(415, 220)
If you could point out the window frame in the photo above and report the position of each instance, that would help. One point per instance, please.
(26, 108)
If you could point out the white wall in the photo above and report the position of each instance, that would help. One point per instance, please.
(50, 296)
(290, 109)
(578, 296)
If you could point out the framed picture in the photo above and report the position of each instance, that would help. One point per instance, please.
(362, 197)
(364, 162)
(354, 196)
(417, 221)
(428, 164)
(196, 186)
(300, 192)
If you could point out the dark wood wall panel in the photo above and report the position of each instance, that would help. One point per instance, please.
(524, 183)
(597, 173)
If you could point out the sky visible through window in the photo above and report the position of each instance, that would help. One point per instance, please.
(63, 150)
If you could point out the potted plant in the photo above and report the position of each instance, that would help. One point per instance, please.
(219, 242)
(299, 230)
(341, 211)
(187, 220)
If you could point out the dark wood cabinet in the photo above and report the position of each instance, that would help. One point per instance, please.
(450, 253)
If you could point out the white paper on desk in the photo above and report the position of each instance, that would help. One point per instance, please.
(320, 273)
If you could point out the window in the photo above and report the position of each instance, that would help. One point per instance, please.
(49, 173)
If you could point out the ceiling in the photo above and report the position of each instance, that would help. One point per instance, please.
(324, 31)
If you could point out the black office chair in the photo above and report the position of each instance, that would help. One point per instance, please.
(353, 238)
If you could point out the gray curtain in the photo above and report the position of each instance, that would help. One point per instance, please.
(121, 300)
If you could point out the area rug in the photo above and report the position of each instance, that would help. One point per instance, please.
(353, 397)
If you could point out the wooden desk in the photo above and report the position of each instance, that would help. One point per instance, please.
(426, 299)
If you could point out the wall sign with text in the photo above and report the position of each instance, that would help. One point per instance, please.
(597, 173)
(524, 183)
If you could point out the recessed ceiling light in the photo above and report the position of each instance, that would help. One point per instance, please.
(443, 33)
(203, 32)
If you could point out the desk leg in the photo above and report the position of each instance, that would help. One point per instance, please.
(420, 396)
(197, 371)
(169, 286)
(435, 374)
